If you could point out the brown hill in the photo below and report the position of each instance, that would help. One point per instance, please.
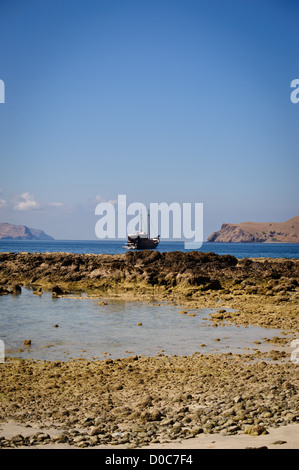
(21, 232)
(257, 232)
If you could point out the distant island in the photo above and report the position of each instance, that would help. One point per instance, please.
(21, 232)
(258, 232)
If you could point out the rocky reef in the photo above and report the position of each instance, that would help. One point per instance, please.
(133, 269)
(260, 289)
(174, 271)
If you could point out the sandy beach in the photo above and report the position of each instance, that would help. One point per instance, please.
(285, 437)
(137, 401)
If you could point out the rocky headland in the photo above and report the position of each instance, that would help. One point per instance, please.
(258, 232)
(21, 232)
(138, 400)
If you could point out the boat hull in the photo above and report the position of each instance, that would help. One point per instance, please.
(144, 243)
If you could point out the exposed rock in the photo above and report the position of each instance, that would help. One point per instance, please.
(56, 290)
(21, 232)
(190, 273)
(257, 232)
(38, 291)
(256, 430)
(16, 289)
(4, 290)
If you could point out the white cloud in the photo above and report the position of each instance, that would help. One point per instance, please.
(26, 202)
(97, 199)
(55, 204)
(3, 203)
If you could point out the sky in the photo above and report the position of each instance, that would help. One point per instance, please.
(159, 100)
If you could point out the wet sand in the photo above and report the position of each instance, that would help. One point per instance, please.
(285, 437)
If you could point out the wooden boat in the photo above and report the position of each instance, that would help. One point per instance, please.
(142, 240)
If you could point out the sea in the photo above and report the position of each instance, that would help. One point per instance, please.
(76, 327)
(239, 250)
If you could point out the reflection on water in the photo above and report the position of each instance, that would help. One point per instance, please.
(63, 328)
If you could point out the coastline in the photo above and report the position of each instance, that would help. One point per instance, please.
(163, 400)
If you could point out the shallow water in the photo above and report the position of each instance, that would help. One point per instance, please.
(88, 330)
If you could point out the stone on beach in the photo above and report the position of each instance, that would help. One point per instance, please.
(160, 398)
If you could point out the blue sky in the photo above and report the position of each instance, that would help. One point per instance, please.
(164, 101)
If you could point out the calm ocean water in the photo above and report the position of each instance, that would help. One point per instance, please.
(240, 250)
